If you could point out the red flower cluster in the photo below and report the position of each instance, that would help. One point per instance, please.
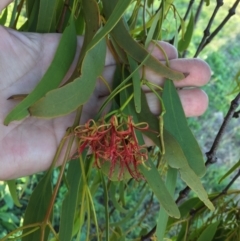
(115, 143)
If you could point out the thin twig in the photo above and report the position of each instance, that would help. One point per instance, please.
(208, 28)
(211, 154)
(231, 12)
(199, 10)
(236, 114)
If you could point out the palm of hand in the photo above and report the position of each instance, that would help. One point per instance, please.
(28, 145)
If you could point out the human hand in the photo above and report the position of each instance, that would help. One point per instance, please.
(28, 146)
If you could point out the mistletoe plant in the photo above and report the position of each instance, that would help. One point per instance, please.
(110, 156)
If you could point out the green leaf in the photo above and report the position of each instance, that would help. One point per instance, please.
(171, 181)
(182, 233)
(37, 208)
(46, 15)
(69, 205)
(32, 11)
(53, 77)
(157, 185)
(114, 201)
(209, 232)
(122, 193)
(121, 35)
(90, 8)
(237, 165)
(118, 10)
(189, 205)
(185, 209)
(117, 234)
(133, 211)
(166, 5)
(69, 97)
(30, 6)
(175, 123)
(105, 192)
(152, 28)
(147, 116)
(13, 191)
(136, 79)
(3, 18)
(185, 41)
(175, 159)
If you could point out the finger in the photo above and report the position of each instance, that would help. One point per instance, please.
(197, 72)
(4, 3)
(194, 102)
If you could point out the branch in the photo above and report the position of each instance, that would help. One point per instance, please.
(199, 10)
(208, 28)
(211, 154)
(231, 12)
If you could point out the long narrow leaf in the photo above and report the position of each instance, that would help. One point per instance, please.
(13, 191)
(230, 171)
(171, 181)
(70, 202)
(119, 9)
(185, 41)
(37, 207)
(69, 97)
(3, 18)
(90, 8)
(136, 79)
(133, 211)
(116, 204)
(157, 185)
(53, 77)
(105, 191)
(209, 232)
(175, 123)
(46, 15)
(176, 159)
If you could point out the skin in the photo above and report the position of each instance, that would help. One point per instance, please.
(28, 146)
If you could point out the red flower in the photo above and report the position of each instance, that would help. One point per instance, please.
(115, 143)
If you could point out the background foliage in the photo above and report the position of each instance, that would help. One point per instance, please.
(132, 221)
